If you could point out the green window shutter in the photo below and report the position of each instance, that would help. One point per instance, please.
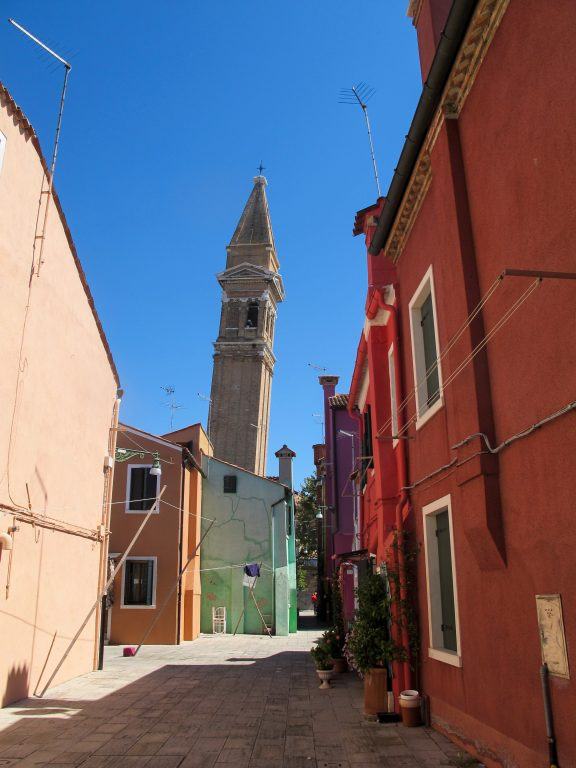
(446, 581)
(430, 352)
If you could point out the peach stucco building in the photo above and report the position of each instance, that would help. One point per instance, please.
(58, 389)
(146, 603)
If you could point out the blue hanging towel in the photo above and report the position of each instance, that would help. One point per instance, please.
(252, 570)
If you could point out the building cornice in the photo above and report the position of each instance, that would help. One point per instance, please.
(414, 8)
(477, 41)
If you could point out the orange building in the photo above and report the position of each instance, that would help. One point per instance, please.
(58, 389)
(146, 603)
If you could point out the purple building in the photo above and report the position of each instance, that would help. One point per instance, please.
(340, 523)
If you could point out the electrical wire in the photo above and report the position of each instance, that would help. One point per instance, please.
(477, 349)
(472, 316)
(174, 506)
(50, 523)
(490, 450)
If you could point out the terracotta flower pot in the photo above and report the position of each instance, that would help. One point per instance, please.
(325, 676)
(375, 691)
(340, 665)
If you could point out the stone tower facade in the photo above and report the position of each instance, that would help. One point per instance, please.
(243, 358)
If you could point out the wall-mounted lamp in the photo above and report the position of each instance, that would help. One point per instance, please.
(319, 515)
(125, 454)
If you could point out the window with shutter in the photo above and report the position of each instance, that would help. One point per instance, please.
(441, 582)
(430, 357)
(446, 577)
(393, 398)
(425, 358)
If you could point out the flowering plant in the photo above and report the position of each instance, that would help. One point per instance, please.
(334, 639)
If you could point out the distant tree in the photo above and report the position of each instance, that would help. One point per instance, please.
(306, 528)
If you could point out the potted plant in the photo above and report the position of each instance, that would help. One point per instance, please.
(321, 655)
(334, 639)
(369, 647)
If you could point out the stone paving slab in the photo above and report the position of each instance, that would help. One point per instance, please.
(218, 702)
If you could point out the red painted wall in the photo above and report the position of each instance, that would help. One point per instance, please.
(516, 134)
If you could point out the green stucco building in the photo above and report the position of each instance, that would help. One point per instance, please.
(254, 524)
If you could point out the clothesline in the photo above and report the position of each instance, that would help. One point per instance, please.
(174, 506)
(236, 565)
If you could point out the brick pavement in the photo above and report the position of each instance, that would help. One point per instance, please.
(218, 702)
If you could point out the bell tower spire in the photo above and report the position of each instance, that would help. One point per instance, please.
(243, 352)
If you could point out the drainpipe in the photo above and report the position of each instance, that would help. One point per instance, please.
(550, 734)
(99, 624)
(377, 302)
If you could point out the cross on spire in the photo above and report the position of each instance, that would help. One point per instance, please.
(261, 168)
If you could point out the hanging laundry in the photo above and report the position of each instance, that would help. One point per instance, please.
(252, 569)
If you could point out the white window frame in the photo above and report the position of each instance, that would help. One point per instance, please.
(393, 395)
(154, 583)
(423, 410)
(3, 142)
(127, 495)
(435, 648)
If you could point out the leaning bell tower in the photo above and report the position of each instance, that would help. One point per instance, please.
(243, 358)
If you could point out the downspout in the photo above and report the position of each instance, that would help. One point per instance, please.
(99, 629)
(181, 548)
(377, 302)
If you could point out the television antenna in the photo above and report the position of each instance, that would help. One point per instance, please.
(359, 95)
(317, 367)
(209, 401)
(170, 391)
(41, 237)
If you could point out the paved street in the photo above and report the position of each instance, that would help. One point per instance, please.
(245, 701)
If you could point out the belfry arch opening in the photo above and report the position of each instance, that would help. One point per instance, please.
(252, 315)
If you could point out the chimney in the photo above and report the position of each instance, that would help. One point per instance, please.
(429, 17)
(328, 384)
(285, 456)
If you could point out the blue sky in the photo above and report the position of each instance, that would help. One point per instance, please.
(171, 107)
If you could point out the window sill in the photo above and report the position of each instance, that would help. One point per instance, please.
(427, 415)
(137, 607)
(448, 657)
(140, 511)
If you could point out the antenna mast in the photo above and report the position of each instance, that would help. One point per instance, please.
(67, 68)
(170, 390)
(360, 94)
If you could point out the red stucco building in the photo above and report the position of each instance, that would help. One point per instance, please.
(464, 377)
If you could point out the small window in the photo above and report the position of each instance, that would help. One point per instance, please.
(367, 451)
(142, 489)
(393, 398)
(426, 363)
(441, 582)
(252, 316)
(230, 483)
(139, 588)
(2, 149)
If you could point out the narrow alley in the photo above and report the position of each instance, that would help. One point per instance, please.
(249, 701)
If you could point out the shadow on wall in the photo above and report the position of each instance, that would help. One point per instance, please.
(16, 685)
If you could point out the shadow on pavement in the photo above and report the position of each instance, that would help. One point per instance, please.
(266, 711)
